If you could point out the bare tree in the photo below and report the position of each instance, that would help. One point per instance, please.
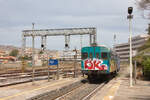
(144, 6)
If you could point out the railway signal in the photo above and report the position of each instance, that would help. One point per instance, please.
(130, 9)
(75, 63)
(130, 16)
(42, 46)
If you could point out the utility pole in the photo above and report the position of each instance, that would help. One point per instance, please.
(75, 63)
(23, 53)
(42, 49)
(33, 69)
(130, 16)
(114, 41)
(58, 71)
(90, 36)
(81, 41)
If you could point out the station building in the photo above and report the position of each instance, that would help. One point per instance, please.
(123, 49)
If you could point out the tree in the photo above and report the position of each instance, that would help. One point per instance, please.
(148, 29)
(14, 53)
(144, 6)
(146, 66)
(41, 52)
(25, 58)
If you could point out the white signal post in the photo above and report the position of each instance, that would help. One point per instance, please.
(130, 16)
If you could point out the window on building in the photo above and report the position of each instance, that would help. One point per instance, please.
(104, 55)
(84, 55)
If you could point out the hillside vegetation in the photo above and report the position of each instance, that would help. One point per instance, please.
(143, 58)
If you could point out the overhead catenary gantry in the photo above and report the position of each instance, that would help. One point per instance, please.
(67, 32)
(44, 33)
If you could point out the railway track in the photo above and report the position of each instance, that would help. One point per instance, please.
(14, 71)
(36, 73)
(83, 92)
(40, 74)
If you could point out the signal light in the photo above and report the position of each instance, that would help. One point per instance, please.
(130, 9)
(66, 45)
(42, 45)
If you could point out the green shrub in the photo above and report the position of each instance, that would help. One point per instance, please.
(25, 58)
(146, 66)
(14, 53)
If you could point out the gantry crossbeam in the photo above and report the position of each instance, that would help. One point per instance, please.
(56, 32)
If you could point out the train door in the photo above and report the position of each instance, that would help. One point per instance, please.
(105, 59)
(112, 62)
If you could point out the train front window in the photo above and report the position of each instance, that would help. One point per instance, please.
(84, 55)
(91, 56)
(104, 55)
(97, 55)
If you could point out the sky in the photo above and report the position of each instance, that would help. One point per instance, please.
(108, 16)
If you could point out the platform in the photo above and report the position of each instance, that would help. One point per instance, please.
(27, 90)
(119, 89)
(139, 91)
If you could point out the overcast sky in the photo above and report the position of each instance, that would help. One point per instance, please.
(108, 16)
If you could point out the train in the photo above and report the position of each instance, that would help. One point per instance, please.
(97, 61)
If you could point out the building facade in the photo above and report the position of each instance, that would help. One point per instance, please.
(123, 49)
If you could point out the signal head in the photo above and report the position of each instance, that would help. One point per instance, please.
(130, 10)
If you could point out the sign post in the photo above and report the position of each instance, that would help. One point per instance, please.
(48, 73)
(53, 62)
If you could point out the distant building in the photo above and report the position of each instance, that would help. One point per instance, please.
(28, 52)
(2, 53)
(123, 50)
(7, 59)
(69, 55)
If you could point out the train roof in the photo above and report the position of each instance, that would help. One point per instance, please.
(97, 46)
(104, 48)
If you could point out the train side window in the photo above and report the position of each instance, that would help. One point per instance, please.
(97, 55)
(84, 55)
(91, 56)
(104, 55)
